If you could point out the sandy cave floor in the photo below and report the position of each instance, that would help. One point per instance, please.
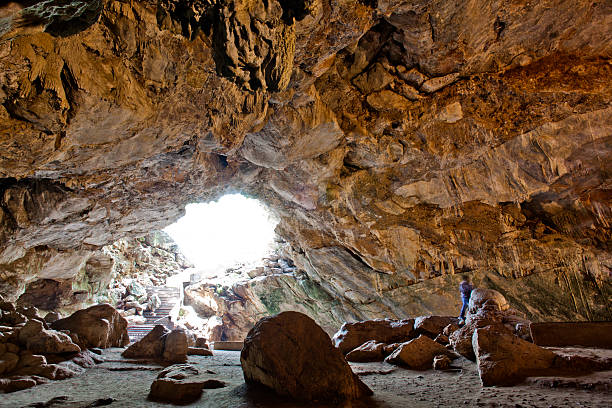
(128, 382)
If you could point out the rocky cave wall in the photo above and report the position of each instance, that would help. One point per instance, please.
(106, 275)
(401, 143)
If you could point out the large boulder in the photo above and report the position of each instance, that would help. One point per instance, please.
(486, 299)
(505, 359)
(98, 326)
(38, 340)
(175, 346)
(293, 356)
(150, 346)
(417, 354)
(487, 307)
(353, 335)
(160, 344)
(181, 384)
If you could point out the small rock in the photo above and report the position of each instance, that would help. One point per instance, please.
(451, 113)
(448, 330)
(387, 100)
(412, 76)
(201, 342)
(199, 351)
(435, 84)
(441, 362)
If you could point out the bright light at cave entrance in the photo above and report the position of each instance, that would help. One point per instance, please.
(223, 233)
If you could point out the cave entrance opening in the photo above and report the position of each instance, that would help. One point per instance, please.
(233, 232)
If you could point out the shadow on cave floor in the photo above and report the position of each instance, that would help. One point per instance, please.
(127, 383)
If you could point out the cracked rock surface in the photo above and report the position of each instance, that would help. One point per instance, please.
(399, 142)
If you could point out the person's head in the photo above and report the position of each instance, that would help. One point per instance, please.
(465, 278)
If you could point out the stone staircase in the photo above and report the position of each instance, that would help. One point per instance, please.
(169, 298)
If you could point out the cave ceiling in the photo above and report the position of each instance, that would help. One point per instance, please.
(398, 141)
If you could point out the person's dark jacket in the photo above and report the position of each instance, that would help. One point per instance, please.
(466, 289)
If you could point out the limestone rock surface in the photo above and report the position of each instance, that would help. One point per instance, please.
(398, 143)
(290, 354)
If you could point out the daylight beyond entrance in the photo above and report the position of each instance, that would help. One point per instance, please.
(222, 234)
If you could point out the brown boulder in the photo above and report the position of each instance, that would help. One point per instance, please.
(486, 299)
(16, 384)
(432, 326)
(352, 335)
(150, 346)
(505, 359)
(417, 354)
(97, 326)
(487, 307)
(160, 344)
(367, 352)
(8, 362)
(175, 346)
(181, 384)
(38, 340)
(293, 356)
(201, 342)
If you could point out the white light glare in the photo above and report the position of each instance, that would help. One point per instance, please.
(223, 233)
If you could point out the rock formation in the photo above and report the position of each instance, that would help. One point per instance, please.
(161, 344)
(294, 357)
(355, 334)
(417, 354)
(97, 326)
(398, 142)
(181, 384)
(31, 353)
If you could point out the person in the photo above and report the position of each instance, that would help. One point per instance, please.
(465, 288)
